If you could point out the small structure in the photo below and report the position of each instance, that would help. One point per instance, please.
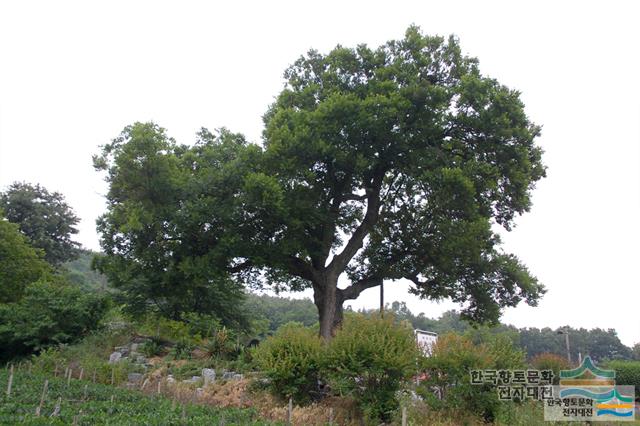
(425, 340)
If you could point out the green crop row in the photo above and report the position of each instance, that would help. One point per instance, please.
(102, 404)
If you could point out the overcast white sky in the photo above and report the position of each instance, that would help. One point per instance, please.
(73, 74)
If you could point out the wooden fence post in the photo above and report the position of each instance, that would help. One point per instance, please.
(290, 411)
(10, 384)
(42, 397)
(56, 410)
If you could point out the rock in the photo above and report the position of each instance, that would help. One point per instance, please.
(238, 377)
(124, 350)
(114, 357)
(192, 380)
(141, 359)
(135, 347)
(134, 377)
(228, 375)
(209, 375)
(199, 392)
(170, 379)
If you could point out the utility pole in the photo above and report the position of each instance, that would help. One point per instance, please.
(566, 341)
(382, 300)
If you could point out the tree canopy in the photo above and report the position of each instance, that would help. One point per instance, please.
(159, 248)
(44, 217)
(376, 164)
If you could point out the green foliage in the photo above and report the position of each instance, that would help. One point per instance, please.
(201, 325)
(20, 264)
(165, 329)
(220, 345)
(449, 369)
(278, 311)
(627, 373)
(155, 234)
(151, 348)
(291, 360)
(549, 361)
(44, 217)
(368, 359)
(50, 312)
(128, 407)
(182, 349)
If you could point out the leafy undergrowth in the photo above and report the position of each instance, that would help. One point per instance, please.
(102, 404)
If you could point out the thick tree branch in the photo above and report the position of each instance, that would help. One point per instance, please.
(354, 290)
(302, 269)
(340, 261)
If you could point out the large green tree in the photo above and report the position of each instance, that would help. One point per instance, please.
(395, 163)
(159, 234)
(45, 218)
(377, 164)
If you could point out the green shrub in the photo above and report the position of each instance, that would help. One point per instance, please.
(151, 348)
(167, 329)
(449, 368)
(50, 313)
(200, 324)
(368, 359)
(220, 344)
(182, 349)
(290, 359)
(549, 361)
(627, 373)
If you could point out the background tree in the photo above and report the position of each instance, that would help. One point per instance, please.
(635, 351)
(51, 312)
(20, 264)
(278, 311)
(378, 164)
(159, 249)
(45, 218)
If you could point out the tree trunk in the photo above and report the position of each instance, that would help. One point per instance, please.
(328, 299)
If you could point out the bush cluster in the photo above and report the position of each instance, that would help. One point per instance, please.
(448, 383)
(627, 373)
(367, 360)
(291, 360)
(50, 312)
